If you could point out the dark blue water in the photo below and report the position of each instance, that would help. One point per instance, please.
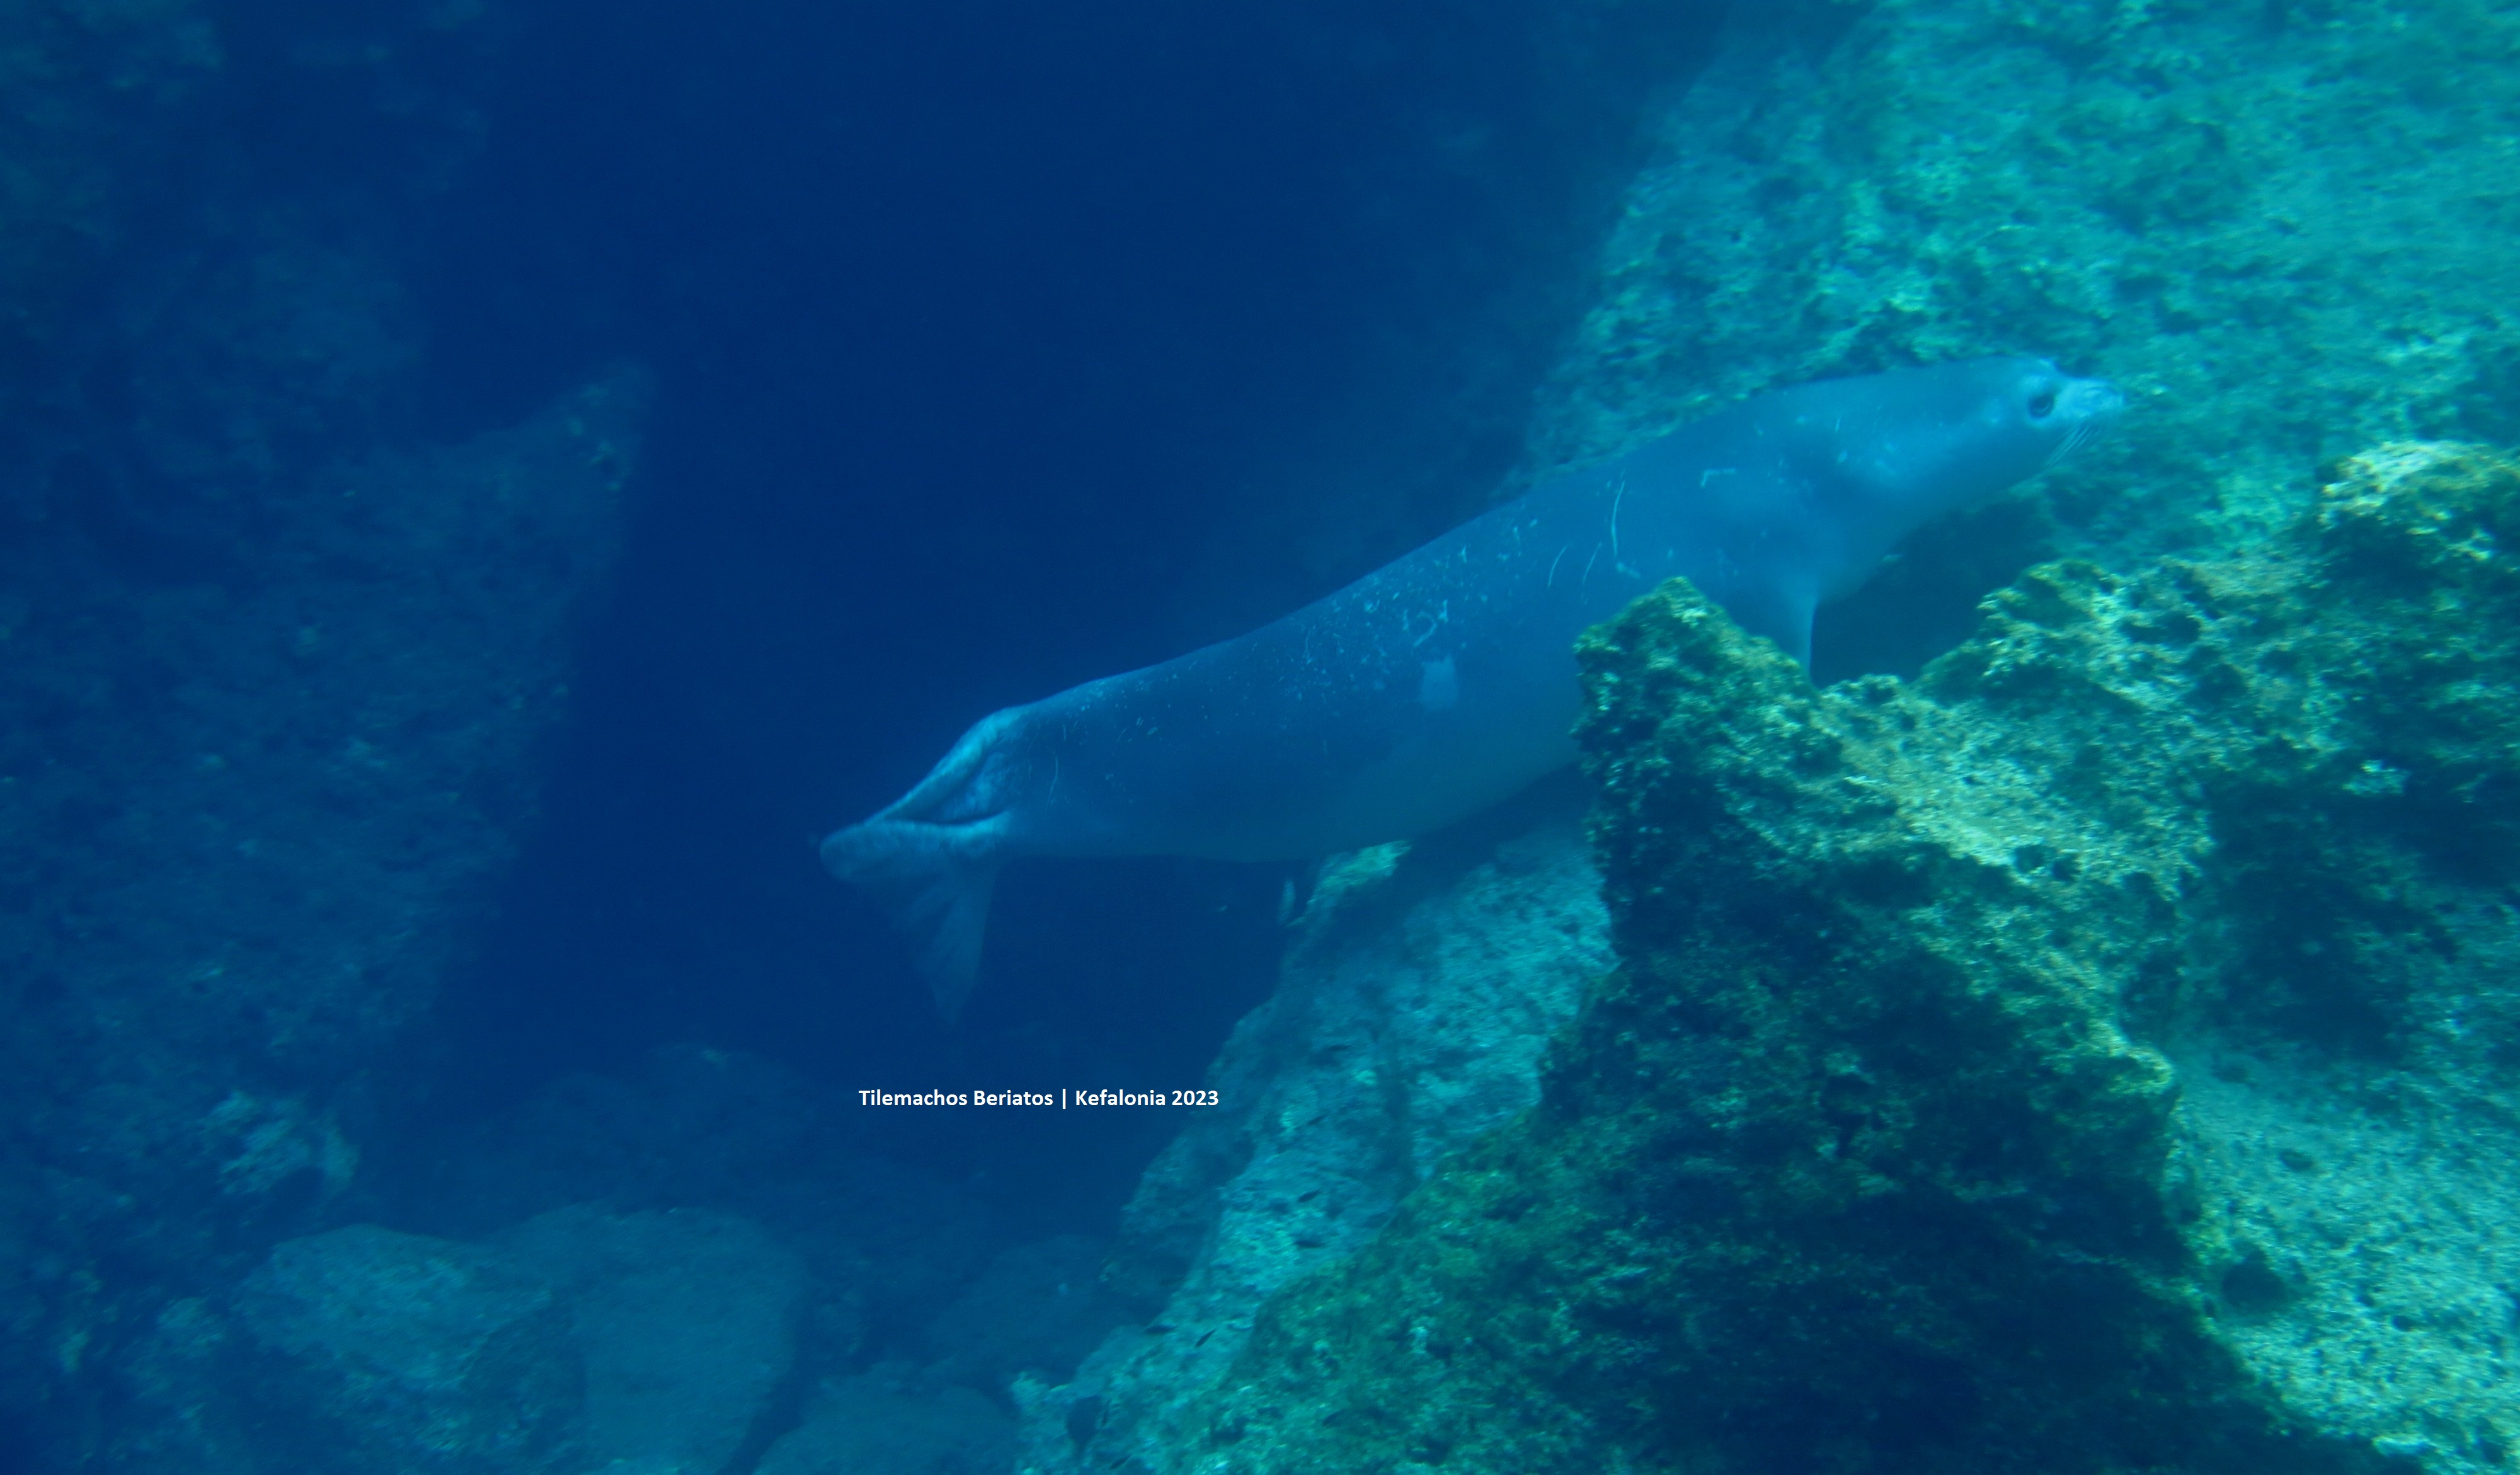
(987, 347)
(995, 347)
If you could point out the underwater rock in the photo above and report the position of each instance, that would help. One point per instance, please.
(271, 670)
(247, 828)
(1038, 1308)
(1421, 988)
(2190, 199)
(364, 1348)
(582, 1340)
(685, 1321)
(886, 1242)
(870, 1425)
(2092, 1055)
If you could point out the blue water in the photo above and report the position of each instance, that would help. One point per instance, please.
(971, 324)
(987, 347)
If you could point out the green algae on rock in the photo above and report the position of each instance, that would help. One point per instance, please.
(2285, 227)
(2092, 1055)
(1422, 987)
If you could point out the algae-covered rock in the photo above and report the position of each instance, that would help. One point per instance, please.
(2283, 227)
(1420, 991)
(2094, 1056)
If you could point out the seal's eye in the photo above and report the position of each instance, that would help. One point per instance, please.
(2042, 404)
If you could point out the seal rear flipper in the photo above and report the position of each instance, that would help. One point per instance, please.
(936, 880)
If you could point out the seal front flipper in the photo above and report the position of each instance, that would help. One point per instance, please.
(932, 858)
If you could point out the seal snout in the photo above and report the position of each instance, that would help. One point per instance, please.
(2081, 407)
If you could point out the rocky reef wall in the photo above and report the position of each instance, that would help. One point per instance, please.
(2228, 1119)
(2281, 227)
(2092, 1055)
(277, 665)
(252, 824)
(1423, 985)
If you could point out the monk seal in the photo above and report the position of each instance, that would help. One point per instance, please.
(1446, 681)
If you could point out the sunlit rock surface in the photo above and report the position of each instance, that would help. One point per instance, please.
(1415, 1003)
(2094, 1056)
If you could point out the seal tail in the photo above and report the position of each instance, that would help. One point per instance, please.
(936, 880)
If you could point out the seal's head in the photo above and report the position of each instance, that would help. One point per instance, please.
(1941, 437)
(1887, 454)
(2032, 408)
